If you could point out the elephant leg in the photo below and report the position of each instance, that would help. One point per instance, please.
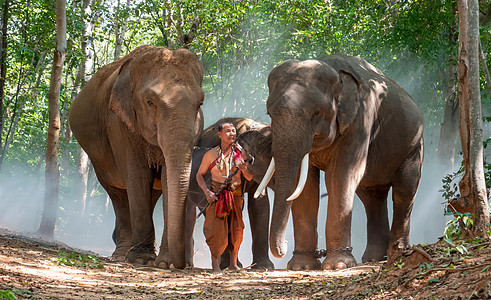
(141, 210)
(258, 210)
(375, 201)
(190, 223)
(342, 179)
(305, 210)
(404, 189)
(122, 230)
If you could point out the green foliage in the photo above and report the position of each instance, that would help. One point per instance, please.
(7, 294)
(238, 43)
(450, 191)
(77, 260)
(457, 250)
(453, 228)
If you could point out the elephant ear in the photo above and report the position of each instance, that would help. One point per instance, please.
(121, 99)
(347, 100)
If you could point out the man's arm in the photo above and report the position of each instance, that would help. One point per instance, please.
(243, 168)
(203, 168)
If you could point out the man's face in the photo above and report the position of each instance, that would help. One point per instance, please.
(228, 133)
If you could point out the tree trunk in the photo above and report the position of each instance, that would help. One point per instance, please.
(52, 173)
(472, 186)
(3, 63)
(449, 129)
(121, 30)
(83, 175)
(83, 76)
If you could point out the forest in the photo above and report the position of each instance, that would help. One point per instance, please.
(416, 43)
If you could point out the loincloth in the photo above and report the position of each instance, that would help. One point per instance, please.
(228, 231)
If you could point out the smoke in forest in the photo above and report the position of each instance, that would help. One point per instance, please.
(21, 197)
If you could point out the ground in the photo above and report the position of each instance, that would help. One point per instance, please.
(36, 269)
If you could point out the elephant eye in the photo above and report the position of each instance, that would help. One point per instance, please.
(150, 102)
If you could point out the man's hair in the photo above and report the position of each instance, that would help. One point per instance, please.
(220, 127)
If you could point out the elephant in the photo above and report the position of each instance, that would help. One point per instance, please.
(341, 115)
(258, 208)
(138, 118)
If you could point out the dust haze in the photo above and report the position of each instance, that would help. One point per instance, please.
(21, 196)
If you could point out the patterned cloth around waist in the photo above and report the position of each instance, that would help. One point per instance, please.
(215, 185)
(225, 202)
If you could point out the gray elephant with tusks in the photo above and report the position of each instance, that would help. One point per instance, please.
(138, 119)
(342, 115)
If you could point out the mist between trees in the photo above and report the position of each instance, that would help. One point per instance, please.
(238, 42)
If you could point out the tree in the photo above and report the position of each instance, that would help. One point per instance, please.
(472, 186)
(449, 129)
(3, 62)
(82, 160)
(120, 29)
(52, 173)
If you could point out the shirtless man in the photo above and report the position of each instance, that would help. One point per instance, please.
(223, 223)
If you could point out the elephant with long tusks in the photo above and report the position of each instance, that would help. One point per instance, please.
(342, 115)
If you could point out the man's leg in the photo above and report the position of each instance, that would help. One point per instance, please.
(215, 264)
(233, 259)
(215, 231)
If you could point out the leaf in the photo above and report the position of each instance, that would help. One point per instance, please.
(462, 249)
(433, 280)
(485, 268)
(446, 239)
(7, 294)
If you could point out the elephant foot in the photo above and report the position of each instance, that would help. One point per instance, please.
(189, 264)
(262, 264)
(119, 255)
(374, 254)
(303, 262)
(336, 260)
(141, 256)
(395, 251)
(162, 261)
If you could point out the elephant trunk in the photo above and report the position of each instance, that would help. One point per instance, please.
(287, 167)
(286, 174)
(177, 150)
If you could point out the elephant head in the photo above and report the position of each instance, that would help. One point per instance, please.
(311, 105)
(257, 147)
(157, 93)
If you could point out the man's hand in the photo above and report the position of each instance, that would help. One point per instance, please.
(210, 196)
(243, 168)
(242, 165)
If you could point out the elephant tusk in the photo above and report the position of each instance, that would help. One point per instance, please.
(267, 177)
(304, 169)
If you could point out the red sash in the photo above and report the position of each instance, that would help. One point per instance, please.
(212, 164)
(225, 204)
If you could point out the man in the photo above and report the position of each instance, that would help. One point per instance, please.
(223, 222)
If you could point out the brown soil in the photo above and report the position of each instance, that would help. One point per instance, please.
(32, 268)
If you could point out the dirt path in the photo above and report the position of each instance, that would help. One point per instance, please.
(30, 268)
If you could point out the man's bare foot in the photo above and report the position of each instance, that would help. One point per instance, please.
(215, 265)
(216, 271)
(234, 268)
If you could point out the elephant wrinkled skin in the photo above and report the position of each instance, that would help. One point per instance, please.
(366, 133)
(258, 208)
(138, 119)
